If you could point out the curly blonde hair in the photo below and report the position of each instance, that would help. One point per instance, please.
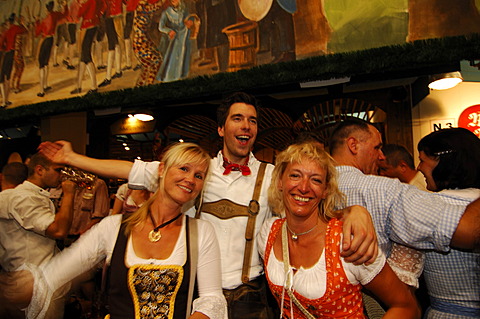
(297, 153)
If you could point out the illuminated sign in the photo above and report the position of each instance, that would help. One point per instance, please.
(470, 119)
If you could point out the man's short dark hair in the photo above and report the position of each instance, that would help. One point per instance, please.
(15, 173)
(395, 153)
(344, 129)
(237, 97)
(37, 159)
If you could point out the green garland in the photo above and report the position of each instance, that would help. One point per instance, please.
(403, 58)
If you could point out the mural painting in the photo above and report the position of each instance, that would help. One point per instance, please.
(59, 49)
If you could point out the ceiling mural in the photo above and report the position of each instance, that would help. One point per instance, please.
(72, 48)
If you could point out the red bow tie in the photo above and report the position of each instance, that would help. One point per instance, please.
(235, 167)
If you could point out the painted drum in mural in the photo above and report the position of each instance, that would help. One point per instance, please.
(255, 10)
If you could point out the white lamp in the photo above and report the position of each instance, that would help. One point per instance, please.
(144, 116)
(445, 81)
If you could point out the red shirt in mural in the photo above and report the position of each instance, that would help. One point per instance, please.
(47, 26)
(7, 40)
(90, 12)
(131, 5)
(114, 8)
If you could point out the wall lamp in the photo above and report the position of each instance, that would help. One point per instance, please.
(444, 81)
(144, 116)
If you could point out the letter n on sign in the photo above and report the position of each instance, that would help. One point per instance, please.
(436, 125)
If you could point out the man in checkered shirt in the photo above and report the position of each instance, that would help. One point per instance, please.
(401, 212)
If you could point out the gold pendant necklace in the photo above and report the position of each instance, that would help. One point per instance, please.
(295, 235)
(154, 235)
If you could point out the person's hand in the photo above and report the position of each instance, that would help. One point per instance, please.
(363, 247)
(57, 152)
(69, 187)
(171, 34)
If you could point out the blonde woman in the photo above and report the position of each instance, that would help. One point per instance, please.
(152, 265)
(301, 251)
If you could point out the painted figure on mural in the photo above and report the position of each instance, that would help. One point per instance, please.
(176, 24)
(7, 42)
(145, 49)
(46, 28)
(18, 57)
(62, 38)
(89, 11)
(113, 28)
(72, 22)
(130, 7)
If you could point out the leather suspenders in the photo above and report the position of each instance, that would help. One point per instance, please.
(225, 209)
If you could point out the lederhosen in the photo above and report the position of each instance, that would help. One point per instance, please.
(160, 291)
(245, 296)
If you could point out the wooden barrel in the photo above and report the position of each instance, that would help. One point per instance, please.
(243, 41)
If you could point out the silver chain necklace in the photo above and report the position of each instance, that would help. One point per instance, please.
(295, 235)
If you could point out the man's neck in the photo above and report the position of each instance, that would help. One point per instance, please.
(36, 182)
(235, 159)
(343, 161)
(409, 176)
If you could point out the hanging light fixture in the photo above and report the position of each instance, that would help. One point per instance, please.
(144, 116)
(445, 81)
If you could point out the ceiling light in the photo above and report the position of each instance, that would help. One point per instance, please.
(143, 116)
(445, 81)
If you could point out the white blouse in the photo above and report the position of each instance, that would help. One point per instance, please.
(312, 282)
(98, 243)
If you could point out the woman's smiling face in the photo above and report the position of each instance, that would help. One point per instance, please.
(304, 187)
(426, 166)
(184, 182)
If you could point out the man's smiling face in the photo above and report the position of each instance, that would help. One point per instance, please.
(239, 132)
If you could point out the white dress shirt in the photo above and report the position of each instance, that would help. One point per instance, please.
(25, 213)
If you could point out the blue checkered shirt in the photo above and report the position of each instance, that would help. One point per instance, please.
(402, 213)
(454, 277)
